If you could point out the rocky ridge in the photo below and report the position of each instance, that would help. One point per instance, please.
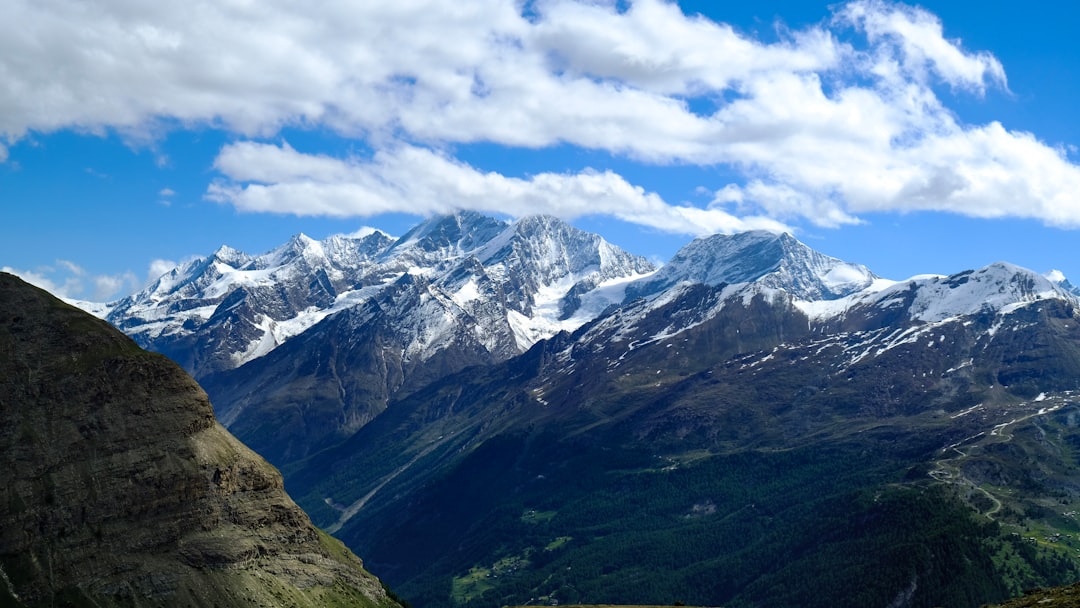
(511, 284)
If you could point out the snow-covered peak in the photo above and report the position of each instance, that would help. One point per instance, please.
(446, 236)
(771, 260)
(232, 257)
(999, 288)
(299, 245)
(551, 248)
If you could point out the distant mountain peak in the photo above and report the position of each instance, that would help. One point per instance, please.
(771, 259)
(995, 288)
(453, 234)
(230, 256)
(511, 283)
(998, 288)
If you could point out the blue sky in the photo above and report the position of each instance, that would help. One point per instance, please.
(926, 138)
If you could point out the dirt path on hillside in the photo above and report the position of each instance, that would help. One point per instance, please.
(950, 469)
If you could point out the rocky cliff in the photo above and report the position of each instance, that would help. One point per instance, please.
(120, 488)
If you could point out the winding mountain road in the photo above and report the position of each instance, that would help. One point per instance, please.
(950, 470)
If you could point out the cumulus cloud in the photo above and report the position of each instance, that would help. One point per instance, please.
(43, 278)
(66, 279)
(107, 287)
(824, 124)
(279, 179)
(917, 44)
(157, 268)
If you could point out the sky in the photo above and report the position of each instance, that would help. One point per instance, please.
(914, 139)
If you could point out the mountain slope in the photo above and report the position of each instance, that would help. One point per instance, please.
(121, 489)
(879, 441)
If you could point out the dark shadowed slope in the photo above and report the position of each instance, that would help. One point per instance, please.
(121, 489)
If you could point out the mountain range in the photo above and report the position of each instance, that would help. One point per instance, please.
(506, 413)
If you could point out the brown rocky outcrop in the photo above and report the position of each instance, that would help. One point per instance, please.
(120, 488)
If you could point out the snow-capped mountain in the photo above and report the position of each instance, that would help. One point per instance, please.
(720, 271)
(311, 340)
(303, 345)
(992, 291)
(712, 272)
(517, 282)
(766, 259)
(747, 353)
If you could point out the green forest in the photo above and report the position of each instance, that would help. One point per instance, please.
(798, 527)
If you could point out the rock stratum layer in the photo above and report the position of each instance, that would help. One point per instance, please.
(121, 489)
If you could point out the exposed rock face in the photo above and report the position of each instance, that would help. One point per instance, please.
(120, 488)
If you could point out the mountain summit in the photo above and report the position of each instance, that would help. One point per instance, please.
(771, 260)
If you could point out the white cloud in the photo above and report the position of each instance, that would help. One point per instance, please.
(827, 123)
(655, 47)
(157, 268)
(109, 287)
(920, 44)
(278, 179)
(40, 278)
(66, 279)
(71, 267)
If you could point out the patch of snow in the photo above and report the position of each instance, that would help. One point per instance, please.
(827, 309)
(607, 293)
(524, 329)
(968, 363)
(468, 292)
(966, 412)
(548, 298)
(844, 274)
